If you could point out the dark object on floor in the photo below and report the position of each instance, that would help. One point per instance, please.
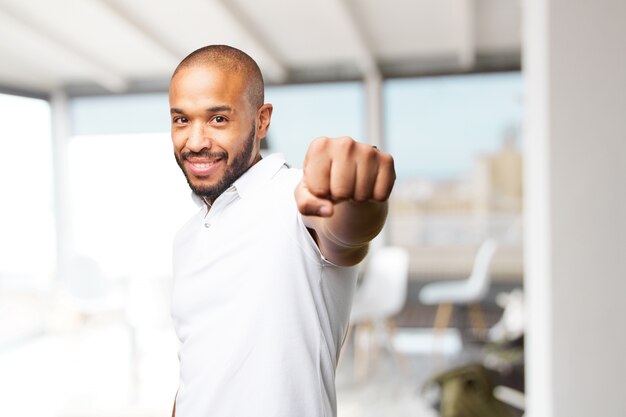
(467, 391)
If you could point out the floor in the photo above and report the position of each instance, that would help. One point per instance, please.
(89, 374)
(396, 386)
(93, 369)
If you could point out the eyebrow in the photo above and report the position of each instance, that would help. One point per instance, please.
(223, 108)
(219, 108)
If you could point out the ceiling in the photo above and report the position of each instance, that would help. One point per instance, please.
(117, 46)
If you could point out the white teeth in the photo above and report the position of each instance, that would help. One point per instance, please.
(202, 166)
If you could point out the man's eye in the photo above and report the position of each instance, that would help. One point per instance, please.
(180, 120)
(219, 119)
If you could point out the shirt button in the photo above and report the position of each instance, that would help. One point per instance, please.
(207, 225)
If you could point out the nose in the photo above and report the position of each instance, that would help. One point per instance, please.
(198, 138)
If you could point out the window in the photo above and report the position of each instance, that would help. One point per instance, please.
(26, 225)
(436, 126)
(456, 141)
(305, 112)
(128, 199)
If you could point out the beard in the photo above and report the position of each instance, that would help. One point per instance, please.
(240, 165)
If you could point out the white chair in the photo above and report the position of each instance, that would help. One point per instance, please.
(381, 295)
(466, 292)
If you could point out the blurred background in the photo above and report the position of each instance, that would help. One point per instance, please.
(503, 257)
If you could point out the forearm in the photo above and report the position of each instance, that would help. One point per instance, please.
(337, 175)
(344, 237)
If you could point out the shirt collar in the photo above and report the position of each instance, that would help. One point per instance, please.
(256, 175)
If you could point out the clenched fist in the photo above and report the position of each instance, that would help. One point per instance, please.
(342, 169)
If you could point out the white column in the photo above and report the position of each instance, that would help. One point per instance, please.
(575, 174)
(373, 91)
(375, 135)
(467, 32)
(60, 137)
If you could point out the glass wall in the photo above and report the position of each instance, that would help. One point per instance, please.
(128, 196)
(305, 112)
(436, 127)
(456, 143)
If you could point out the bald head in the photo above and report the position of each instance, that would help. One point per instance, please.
(230, 60)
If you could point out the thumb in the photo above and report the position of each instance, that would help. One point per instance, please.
(311, 205)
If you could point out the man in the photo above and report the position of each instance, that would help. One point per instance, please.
(264, 273)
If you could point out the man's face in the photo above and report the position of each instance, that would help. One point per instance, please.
(214, 128)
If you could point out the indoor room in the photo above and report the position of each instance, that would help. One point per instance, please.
(492, 290)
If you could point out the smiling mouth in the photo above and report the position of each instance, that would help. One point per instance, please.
(203, 167)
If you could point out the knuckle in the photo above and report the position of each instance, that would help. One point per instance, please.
(319, 144)
(344, 144)
(371, 154)
(387, 160)
(347, 142)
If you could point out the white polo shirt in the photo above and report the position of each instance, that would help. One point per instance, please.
(260, 314)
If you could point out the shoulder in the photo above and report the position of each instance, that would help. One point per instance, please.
(284, 182)
(288, 174)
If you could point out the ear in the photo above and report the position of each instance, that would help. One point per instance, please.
(264, 116)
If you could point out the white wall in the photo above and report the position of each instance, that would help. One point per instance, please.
(575, 69)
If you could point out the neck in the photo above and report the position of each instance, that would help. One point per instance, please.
(257, 158)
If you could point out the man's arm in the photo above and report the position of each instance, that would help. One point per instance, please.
(343, 196)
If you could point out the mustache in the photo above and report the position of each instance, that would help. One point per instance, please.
(205, 153)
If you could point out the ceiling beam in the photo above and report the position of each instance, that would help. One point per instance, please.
(366, 61)
(277, 71)
(97, 71)
(6, 88)
(173, 52)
